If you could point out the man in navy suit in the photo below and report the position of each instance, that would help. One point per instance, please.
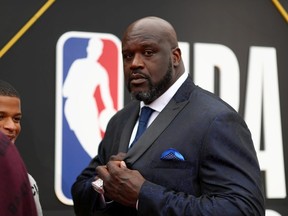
(195, 158)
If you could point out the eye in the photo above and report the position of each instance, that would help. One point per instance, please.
(149, 53)
(127, 56)
(17, 119)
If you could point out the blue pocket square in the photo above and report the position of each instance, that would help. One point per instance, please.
(172, 154)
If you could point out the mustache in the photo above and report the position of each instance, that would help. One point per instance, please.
(137, 74)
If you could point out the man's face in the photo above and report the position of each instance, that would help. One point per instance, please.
(147, 65)
(10, 116)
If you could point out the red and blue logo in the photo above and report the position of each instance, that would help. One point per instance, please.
(89, 91)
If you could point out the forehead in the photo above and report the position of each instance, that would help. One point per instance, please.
(10, 104)
(141, 41)
(143, 35)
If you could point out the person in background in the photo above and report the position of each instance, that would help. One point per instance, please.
(10, 118)
(196, 156)
(16, 197)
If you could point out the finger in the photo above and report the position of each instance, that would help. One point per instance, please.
(102, 172)
(123, 164)
(113, 167)
(120, 156)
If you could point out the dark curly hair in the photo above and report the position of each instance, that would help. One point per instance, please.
(6, 89)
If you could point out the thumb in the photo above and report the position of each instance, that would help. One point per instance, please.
(123, 164)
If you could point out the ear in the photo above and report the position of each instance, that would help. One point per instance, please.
(176, 56)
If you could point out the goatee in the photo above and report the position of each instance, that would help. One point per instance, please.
(155, 90)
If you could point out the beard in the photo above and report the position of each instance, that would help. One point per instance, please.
(155, 89)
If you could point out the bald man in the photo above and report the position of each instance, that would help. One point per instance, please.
(196, 156)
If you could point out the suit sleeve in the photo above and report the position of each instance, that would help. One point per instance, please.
(229, 176)
(85, 199)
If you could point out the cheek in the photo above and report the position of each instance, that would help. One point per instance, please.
(157, 73)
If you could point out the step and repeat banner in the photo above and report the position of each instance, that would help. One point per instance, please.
(236, 49)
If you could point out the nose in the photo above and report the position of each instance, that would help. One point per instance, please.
(9, 124)
(137, 62)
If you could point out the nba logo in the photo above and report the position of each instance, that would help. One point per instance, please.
(89, 91)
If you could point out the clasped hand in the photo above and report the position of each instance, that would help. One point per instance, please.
(120, 183)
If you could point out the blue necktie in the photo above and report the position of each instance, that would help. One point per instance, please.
(143, 121)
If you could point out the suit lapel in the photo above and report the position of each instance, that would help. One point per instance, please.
(163, 120)
(154, 130)
(127, 131)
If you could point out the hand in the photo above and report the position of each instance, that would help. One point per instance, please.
(98, 183)
(120, 183)
(119, 157)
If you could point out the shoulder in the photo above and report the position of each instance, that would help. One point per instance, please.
(35, 192)
(210, 101)
(31, 179)
(127, 110)
(121, 117)
(34, 185)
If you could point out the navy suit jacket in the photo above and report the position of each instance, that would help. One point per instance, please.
(220, 174)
